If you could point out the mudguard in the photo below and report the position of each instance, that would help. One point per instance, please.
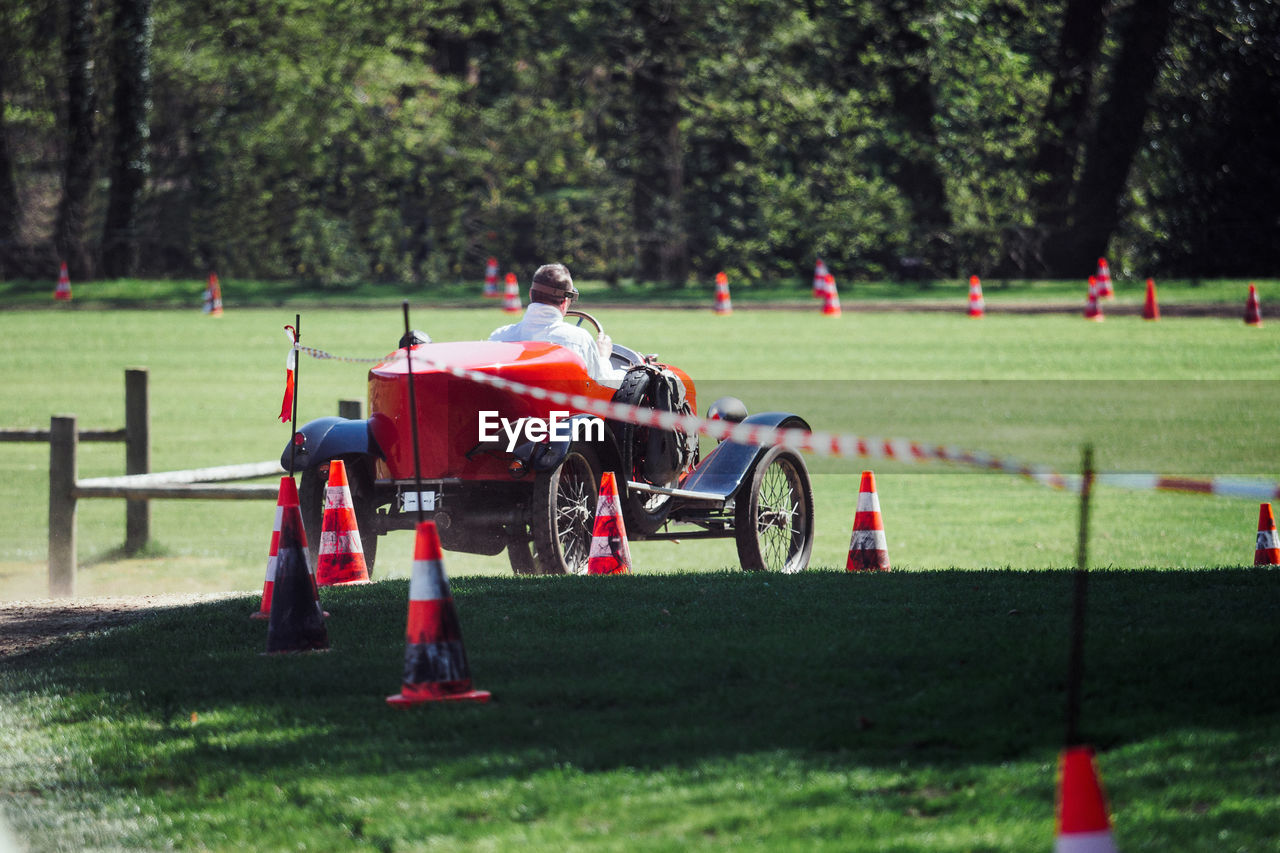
(547, 455)
(325, 439)
(725, 468)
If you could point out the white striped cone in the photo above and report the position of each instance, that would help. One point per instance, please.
(511, 298)
(724, 305)
(868, 549)
(610, 554)
(1105, 291)
(1083, 824)
(1092, 310)
(830, 298)
(1267, 552)
(491, 279)
(62, 291)
(268, 585)
(341, 558)
(819, 279)
(977, 307)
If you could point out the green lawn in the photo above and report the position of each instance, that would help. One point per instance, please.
(688, 705)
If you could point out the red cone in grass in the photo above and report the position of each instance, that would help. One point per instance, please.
(1105, 291)
(1083, 824)
(1151, 308)
(341, 559)
(1092, 311)
(511, 298)
(830, 298)
(610, 554)
(1252, 311)
(297, 622)
(1267, 552)
(264, 610)
(977, 307)
(62, 291)
(491, 279)
(724, 305)
(868, 549)
(435, 661)
(819, 279)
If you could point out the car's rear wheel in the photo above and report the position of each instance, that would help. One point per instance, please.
(311, 491)
(773, 522)
(642, 512)
(563, 514)
(520, 550)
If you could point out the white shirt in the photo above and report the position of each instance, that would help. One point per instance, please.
(543, 322)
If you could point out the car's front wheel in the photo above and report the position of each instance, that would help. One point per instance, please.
(773, 522)
(563, 514)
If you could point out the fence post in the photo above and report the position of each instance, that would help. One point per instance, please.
(137, 456)
(349, 409)
(63, 440)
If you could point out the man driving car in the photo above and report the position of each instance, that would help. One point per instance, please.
(550, 295)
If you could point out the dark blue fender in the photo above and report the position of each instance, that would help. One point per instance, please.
(726, 467)
(325, 439)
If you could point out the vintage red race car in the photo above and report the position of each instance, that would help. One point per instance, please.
(492, 481)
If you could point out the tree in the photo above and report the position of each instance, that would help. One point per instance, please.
(80, 139)
(131, 31)
(10, 204)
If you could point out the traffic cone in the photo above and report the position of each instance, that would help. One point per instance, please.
(819, 279)
(610, 554)
(62, 292)
(1083, 824)
(511, 299)
(1252, 312)
(1151, 308)
(868, 550)
(1092, 311)
(435, 661)
(831, 299)
(297, 622)
(976, 305)
(1104, 280)
(724, 305)
(491, 279)
(264, 611)
(341, 559)
(213, 296)
(1267, 552)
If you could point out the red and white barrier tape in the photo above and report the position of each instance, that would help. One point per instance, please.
(843, 446)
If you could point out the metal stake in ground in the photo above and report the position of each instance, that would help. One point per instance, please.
(1075, 663)
(413, 412)
(293, 417)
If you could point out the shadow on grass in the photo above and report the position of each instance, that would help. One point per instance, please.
(940, 668)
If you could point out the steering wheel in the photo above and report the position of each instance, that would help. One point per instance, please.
(583, 315)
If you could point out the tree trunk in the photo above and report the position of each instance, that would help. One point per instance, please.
(81, 140)
(658, 178)
(131, 61)
(1118, 134)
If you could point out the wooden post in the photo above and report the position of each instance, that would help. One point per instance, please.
(137, 456)
(349, 409)
(62, 505)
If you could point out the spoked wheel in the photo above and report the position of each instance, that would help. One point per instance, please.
(311, 491)
(520, 550)
(564, 509)
(773, 524)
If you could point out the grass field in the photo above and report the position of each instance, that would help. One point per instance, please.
(689, 705)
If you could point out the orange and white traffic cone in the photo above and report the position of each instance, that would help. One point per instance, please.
(264, 611)
(213, 296)
(491, 279)
(341, 559)
(435, 661)
(1105, 290)
(724, 305)
(62, 290)
(830, 298)
(511, 299)
(819, 279)
(296, 623)
(1083, 823)
(1267, 552)
(610, 554)
(868, 550)
(1093, 311)
(977, 307)
(1151, 308)
(1252, 311)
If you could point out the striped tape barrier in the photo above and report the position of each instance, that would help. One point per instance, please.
(836, 445)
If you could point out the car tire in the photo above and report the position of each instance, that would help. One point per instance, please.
(773, 522)
(563, 513)
(520, 550)
(311, 491)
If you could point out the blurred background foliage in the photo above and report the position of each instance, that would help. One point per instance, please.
(388, 140)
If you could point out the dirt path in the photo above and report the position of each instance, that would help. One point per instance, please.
(26, 626)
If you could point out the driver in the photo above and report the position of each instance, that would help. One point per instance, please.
(550, 295)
